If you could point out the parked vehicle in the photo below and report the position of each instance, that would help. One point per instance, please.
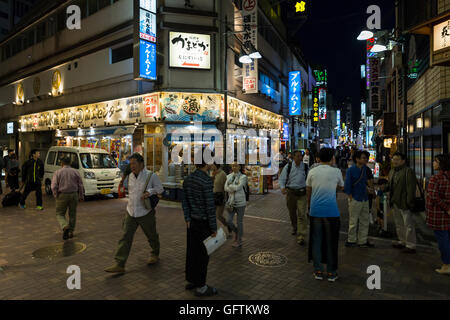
(97, 168)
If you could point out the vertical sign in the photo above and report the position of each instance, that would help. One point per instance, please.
(338, 122)
(145, 39)
(322, 104)
(250, 41)
(295, 89)
(285, 131)
(315, 97)
(321, 78)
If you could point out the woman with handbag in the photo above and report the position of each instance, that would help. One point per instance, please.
(235, 186)
(220, 178)
(438, 208)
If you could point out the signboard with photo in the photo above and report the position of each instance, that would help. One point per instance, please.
(189, 50)
(190, 106)
(147, 25)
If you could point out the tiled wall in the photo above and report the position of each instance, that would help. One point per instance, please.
(430, 88)
(443, 5)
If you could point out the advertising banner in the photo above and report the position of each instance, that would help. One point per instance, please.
(250, 40)
(190, 106)
(295, 90)
(190, 50)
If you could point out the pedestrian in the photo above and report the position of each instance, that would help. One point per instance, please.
(5, 164)
(293, 185)
(308, 158)
(321, 185)
(67, 188)
(200, 216)
(236, 187)
(356, 181)
(438, 208)
(142, 184)
(32, 175)
(402, 192)
(220, 178)
(12, 172)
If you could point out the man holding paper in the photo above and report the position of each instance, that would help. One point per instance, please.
(200, 216)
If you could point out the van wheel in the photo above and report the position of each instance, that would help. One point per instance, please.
(48, 187)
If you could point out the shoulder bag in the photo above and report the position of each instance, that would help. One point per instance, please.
(419, 202)
(151, 202)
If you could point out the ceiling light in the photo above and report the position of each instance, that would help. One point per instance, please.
(365, 35)
(245, 59)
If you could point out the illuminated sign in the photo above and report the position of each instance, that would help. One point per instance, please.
(10, 128)
(338, 122)
(285, 131)
(189, 50)
(369, 45)
(363, 109)
(147, 25)
(250, 43)
(149, 5)
(147, 62)
(300, 6)
(441, 36)
(363, 71)
(315, 97)
(321, 77)
(295, 89)
(322, 104)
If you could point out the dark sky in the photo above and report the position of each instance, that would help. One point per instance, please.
(328, 38)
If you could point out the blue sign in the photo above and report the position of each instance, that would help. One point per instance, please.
(147, 60)
(285, 131)
(295, 89)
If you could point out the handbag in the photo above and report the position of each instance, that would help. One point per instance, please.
(419, 202)
(151, 202)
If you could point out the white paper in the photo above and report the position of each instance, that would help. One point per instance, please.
(212, 244)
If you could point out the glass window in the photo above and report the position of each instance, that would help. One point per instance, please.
(122, 53)
(436, 115)
(97, 161)
(437, 146)
(103, 3)
(51, 158)
(74, 162)
(92, 7)
(411, 153)
(428, 156)
(427, 119)
(417, 157)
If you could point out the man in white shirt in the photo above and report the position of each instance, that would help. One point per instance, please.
(140, 186)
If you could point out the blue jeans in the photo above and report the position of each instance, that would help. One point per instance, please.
(239, 230)
(325, 238)
(443, 238)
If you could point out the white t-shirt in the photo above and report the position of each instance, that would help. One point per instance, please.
(324, 180)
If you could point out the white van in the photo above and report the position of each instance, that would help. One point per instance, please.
(97, 168)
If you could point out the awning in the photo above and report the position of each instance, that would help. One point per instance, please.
(107, 131)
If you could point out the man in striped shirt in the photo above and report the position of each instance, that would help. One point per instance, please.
(200, 216)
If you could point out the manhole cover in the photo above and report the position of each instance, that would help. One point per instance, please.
(267, 259)
(66, 249)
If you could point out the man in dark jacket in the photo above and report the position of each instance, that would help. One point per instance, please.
(32, 175)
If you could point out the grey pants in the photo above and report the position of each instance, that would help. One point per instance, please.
(240, 221)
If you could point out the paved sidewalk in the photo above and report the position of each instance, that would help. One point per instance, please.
(266, 229)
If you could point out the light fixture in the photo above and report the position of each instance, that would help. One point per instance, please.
(255, 55)
(365, 35)
(245, 59)
(378, 48)
(49, 93)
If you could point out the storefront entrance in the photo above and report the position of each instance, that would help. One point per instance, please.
(153, 151)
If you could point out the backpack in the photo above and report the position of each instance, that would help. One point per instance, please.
(11, 199)
(289, 170)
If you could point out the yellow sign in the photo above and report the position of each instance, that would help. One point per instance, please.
(56, 80)
(20, 93)
(300, 6)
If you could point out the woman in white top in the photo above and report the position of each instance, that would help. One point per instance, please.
(236, 182)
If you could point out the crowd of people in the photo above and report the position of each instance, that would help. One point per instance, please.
(310, 181)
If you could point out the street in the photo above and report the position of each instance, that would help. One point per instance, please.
(266, 229)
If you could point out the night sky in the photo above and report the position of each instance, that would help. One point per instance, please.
(328, 38)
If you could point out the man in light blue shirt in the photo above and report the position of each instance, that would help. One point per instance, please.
(293, 185)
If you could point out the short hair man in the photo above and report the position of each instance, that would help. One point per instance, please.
(142, 184)
(293, 185)
(67, 188)
(200, 216)
(32, 175)
(356, 181)
(402, 191)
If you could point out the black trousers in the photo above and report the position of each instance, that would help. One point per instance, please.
(13, 182)
(30, 187)
(196, 255)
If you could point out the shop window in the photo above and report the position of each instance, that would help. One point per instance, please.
(51, 158)
(428, 155)
(436, 115)
(417, 157)
(122, 53)
(437, 146)
(74, 162)
(427, 119)
(411, 153)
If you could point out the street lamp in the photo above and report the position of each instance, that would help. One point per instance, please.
(365, 35)
(378, 48)
(245, 59)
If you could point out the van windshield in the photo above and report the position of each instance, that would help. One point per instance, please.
(97, 161)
